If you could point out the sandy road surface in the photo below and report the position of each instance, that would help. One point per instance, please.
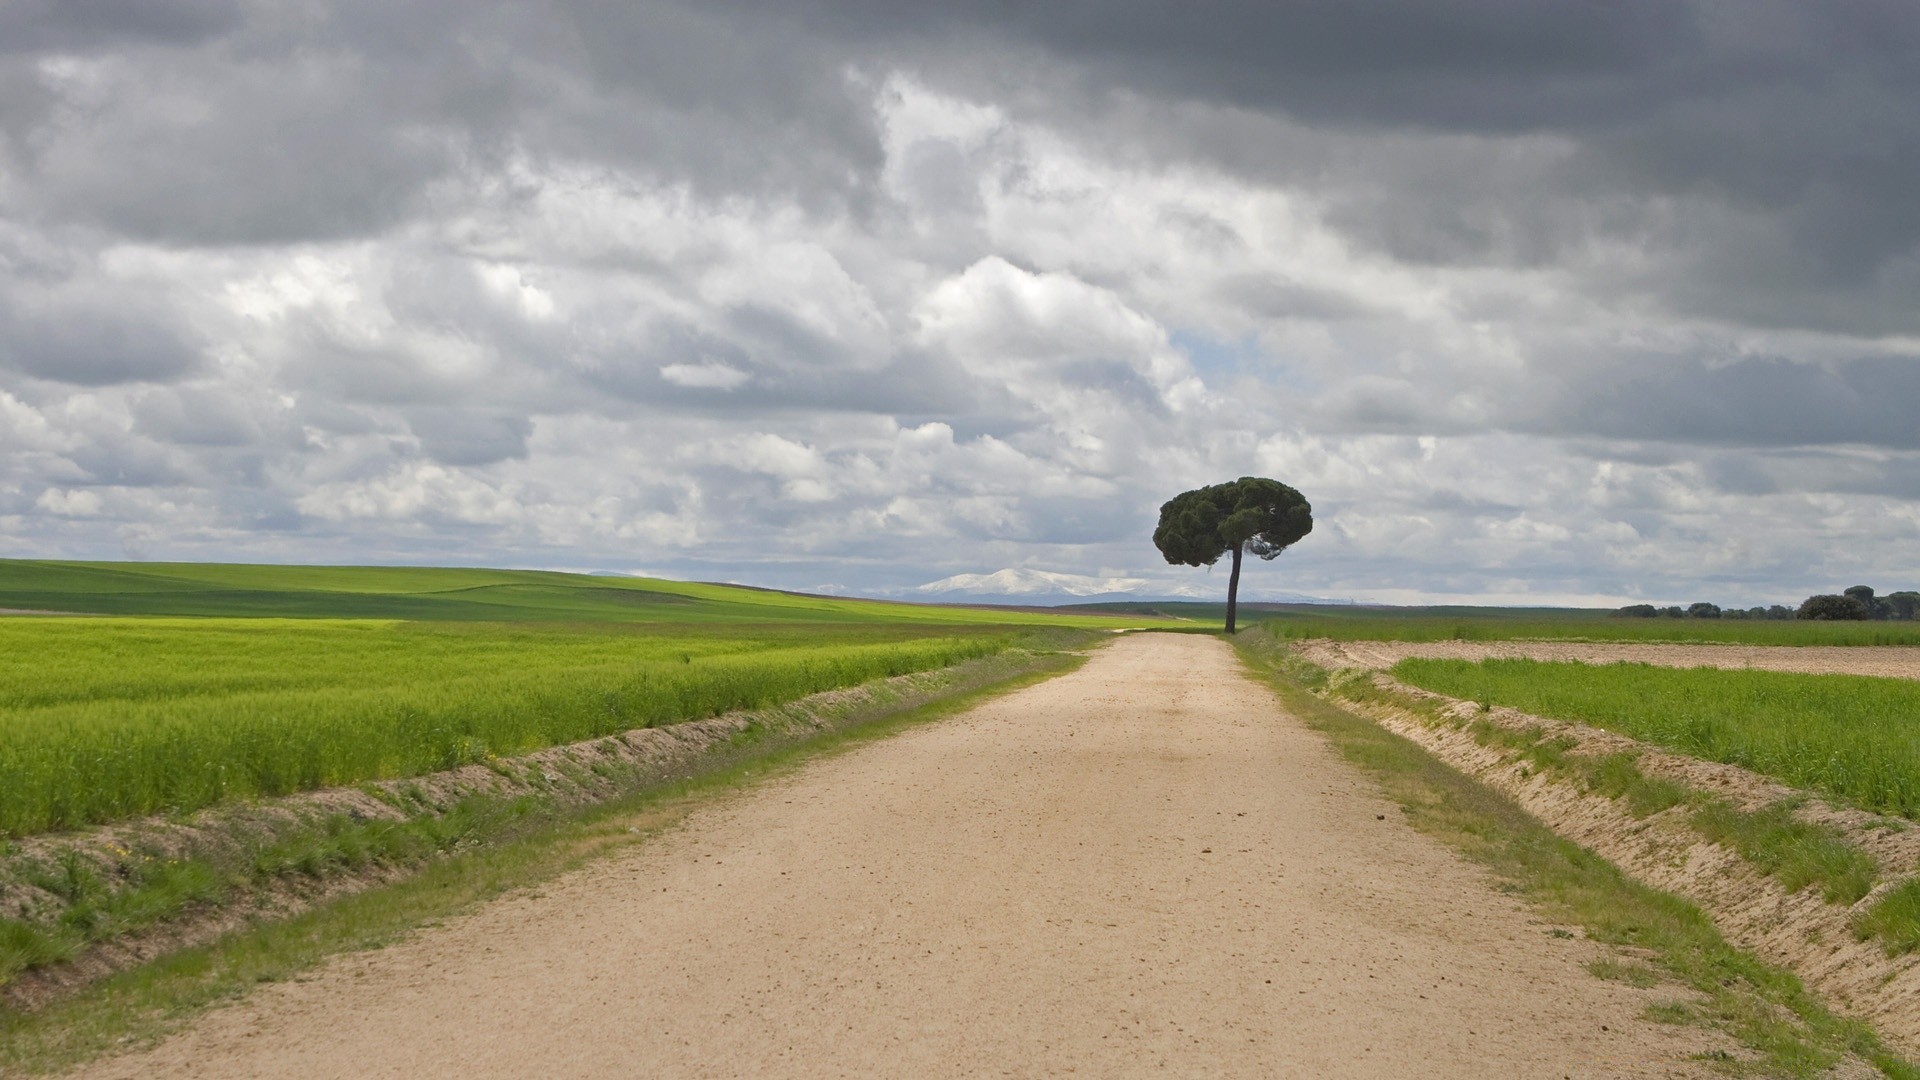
(1142, 867)
(1890, 661)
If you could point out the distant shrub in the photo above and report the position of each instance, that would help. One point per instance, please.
(1877, 607)
(1828, 607)
(1637, 611)
(1703, 610)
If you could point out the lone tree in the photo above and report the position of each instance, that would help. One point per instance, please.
(1249, 514)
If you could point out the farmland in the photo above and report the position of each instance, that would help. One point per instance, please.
(398, 672)
(1853, 737)
(1513, 624)
(441, 594)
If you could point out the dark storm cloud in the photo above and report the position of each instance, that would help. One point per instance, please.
(1775, 472)
(1652, 407)
(1473, 64)
(1768, 148)
(28, 26)
(1278, 298)
(1759, 402)
(765, 370)
(340, 121)
(362, 375)
(1782, 136)
(470, 437)
(195, 416)
(92, 341)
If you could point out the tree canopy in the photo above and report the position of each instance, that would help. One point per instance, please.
(1249, 514)
(1832, 607)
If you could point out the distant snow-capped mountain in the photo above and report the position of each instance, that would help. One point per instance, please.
(1021, 585)
(1023, 582)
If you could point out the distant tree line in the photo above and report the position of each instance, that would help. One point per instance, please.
(1856, 603)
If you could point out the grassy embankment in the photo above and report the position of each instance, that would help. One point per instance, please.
(1787, 1029)
(512, 845)
(1854, 739)
(102, 719)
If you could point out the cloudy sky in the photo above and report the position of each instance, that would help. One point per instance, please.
(1585, 301)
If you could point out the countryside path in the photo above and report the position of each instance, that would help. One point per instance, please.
(1144, 867)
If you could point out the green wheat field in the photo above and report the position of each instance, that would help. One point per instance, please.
(1852, 737)
(168, 688)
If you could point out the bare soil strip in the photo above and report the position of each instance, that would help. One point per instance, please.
(1889, 661)
(1141, 867)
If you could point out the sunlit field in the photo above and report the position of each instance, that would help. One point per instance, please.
(1850, 736)
(109, 717)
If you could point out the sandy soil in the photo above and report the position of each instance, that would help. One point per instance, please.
(1892, 661)
(1142, 867)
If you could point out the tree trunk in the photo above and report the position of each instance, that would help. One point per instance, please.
(1233, 588)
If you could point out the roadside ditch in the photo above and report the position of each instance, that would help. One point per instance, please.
(1829, 892)
(78, 907)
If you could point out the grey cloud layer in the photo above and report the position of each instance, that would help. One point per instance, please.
(1556, 301)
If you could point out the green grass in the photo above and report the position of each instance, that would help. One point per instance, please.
(1853, 738)
(1618, 776)
(443, 594)
(109, 718)
(1767, 1008)
(1798, 854)
(161, 888)
(114, 890)
(503, 845)
(1795, 853)
(1894, 918)
(206, 700)
(1566, 624)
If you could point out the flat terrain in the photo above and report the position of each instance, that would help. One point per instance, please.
(1889, 661)
(1306, 622)
(1142, 867)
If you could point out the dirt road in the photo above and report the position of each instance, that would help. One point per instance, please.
(1142, 867)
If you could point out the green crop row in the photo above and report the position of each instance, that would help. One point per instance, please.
(108, 718)
(1852, 737)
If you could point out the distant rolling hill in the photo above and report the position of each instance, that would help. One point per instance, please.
(448, 594)
(1026, 587)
